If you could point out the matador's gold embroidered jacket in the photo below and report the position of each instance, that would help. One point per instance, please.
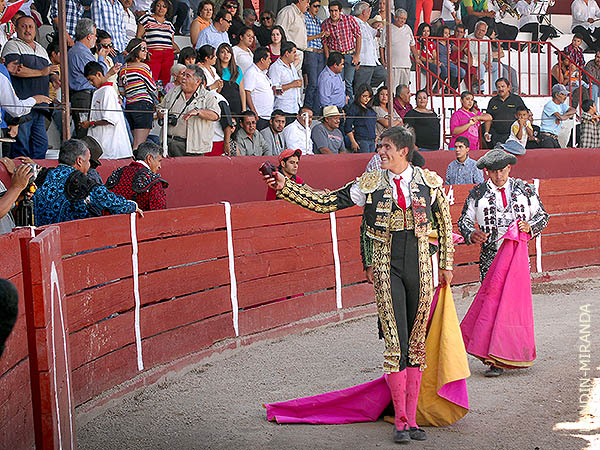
(428, 211)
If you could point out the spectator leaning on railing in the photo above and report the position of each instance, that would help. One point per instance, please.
(556, 111)
(140, 180)
(67, 193)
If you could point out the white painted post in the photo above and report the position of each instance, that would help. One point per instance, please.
(307, 130)
(165, 112)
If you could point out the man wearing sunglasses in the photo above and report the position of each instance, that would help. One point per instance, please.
(263, 32)
(216, 33)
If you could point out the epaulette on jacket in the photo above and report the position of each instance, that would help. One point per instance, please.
(431, 179)
(368, 182)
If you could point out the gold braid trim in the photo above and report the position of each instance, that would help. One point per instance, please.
(306, 197)
(416, 341)
(444, 223)
(383, 296)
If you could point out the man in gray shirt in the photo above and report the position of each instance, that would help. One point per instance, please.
(326, 136)
(273, 133)
(248, 141)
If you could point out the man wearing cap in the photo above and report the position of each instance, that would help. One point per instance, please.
(140, 180)
(493, 206)
(289, 161)
(555, 112)
(326, 136)
(402, 204)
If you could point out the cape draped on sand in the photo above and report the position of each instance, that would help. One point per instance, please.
(443, 398)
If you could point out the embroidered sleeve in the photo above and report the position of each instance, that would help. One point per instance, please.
(539, 216)
(441, 211)
(103, 199)
(305, 196)
(366, 245)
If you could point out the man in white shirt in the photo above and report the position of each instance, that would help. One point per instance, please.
(297, 133)
(481, 54)
(286, 81)
(106, 121)
(403, 43)
(370, 71)
(291, 19)
(528, 23)
(260, 97)
(585, 15)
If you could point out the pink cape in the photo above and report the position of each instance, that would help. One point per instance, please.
(498, 327)
(446, 403)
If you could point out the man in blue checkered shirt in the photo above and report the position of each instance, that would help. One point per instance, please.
(314, 58)
(74, 11)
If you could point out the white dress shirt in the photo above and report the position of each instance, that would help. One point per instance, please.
(359, 197)
(525, 9)
(369, 45)
(295, 138)
(259, 85)
(10, 102)
(280, 73)
(581, 12)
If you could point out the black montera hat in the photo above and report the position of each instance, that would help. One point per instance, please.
(496, 159)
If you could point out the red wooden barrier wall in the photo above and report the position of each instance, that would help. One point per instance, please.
(200, 181)
(48, 341)
(284, 268)
(16, 415)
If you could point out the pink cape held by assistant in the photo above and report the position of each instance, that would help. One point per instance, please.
(443, 398)
(498, 328)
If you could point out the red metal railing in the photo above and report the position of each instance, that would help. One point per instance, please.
(468, 54)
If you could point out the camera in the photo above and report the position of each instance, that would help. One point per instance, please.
(171, 120)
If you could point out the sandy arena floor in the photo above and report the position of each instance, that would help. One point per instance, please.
(218, 404)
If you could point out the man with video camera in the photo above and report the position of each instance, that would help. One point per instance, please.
(192, 113)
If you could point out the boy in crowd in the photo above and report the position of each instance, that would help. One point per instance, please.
(463, 170)
(520, 132)
(106, 121)
(590, 125)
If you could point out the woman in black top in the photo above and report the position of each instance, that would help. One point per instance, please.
(426, 124)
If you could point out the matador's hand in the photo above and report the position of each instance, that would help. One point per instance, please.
(524, 226)
(369, 274)
(445, 277)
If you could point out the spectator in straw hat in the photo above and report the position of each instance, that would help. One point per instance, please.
(326, 136)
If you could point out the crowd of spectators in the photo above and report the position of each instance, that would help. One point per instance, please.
(245, 75)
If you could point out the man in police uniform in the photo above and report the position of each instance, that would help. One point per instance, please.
(402, 204)
(493, 206)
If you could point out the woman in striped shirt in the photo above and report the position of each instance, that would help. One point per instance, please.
(139, 90)
(160, 36)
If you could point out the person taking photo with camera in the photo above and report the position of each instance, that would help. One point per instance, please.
(192, 113)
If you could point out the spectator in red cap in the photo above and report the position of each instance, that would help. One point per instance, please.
(288, 166)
